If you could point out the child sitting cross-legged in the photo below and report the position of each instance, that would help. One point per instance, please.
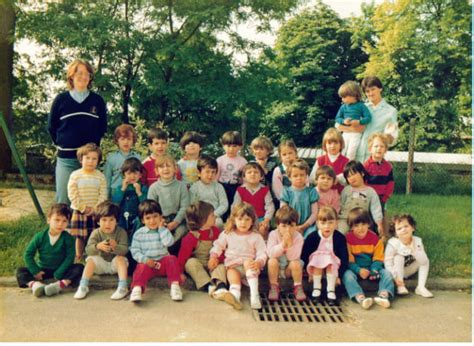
(208, 273)
(284, 250)
(150, 249)
(106, 250)
(56, 256)
(366, 257)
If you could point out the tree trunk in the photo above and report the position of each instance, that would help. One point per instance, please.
(7, 28)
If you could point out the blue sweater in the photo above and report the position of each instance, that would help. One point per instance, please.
(72, 124)
(354, 111)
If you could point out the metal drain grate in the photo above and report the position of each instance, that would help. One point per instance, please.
(288, 309)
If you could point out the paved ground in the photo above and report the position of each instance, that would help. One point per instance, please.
(23, 317)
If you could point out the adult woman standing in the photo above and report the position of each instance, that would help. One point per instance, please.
(77, 117)
(384, 117)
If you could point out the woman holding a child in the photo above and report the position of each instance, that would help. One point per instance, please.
(78, 116)
(384, 117)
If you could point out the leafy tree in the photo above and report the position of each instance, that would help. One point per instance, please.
(422, 53)
(314, 57)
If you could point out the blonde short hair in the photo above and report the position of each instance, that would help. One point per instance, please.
(88, 148)
(161, 160)
(332, 135)
(298, 164)
(72, 69)
(350, 88)
(262, 142)
(380, 136)
(239, 210)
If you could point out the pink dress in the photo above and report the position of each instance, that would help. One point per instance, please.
(324, 256)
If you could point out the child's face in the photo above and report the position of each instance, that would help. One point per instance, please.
(286, 228)
(349, 100)
(403, 229)
(260, 153)
(327, 227)
(355, 179)
(166, 171)
(57, 223)
(211, 221)
(324, 182)
(333, 147)
(125, 143)
(132, 177)
(298, 178)
(252, 176)
(378, 149)
(192, 149)
(152, 220)
(90, 161)
(360, 230)
(207, 174)
(243, 223)
(287, 155)
(107, 224)
(158, 147)
(231, 150)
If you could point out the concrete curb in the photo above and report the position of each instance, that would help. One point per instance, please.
(110, 281)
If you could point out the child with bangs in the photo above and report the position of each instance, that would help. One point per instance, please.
(325, 179)
(262, 149)
(287, 153)
(191, 143)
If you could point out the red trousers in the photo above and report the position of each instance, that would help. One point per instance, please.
(169, 268)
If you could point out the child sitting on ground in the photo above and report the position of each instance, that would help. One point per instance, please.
(366, 261)
(254, 193)
(379, 170)
(326, 251)
(207, 189)
(191, 143)
(173, 197)
(324, 180)
(405, 255)
(106, 250)
(229, 165)
(149, 249)
(56, 256)
(158, 145)
(244, 250)
(352, 112)
(125, 138)
(333, 143)
(262, 149)
(302, 198)
(194, 253)
(287, 153)
(86, 188)
(284, 250)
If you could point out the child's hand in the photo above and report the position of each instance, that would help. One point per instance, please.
(124, 184)
(150, 263)
(263, 228)
(104, 246)
(347, 121)
(172, 225)
(157, 265)
(212, 263)
(354, 122)
(338, 282)
(89, 211)
(374, 275)
(138, 188)
(255, 265)
(113, 244)
(364, 273)
(39, 276)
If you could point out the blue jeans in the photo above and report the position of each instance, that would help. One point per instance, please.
(64, 168)
(353, 288)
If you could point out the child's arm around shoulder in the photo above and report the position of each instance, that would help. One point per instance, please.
(166, 237)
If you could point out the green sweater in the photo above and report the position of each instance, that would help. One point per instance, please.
(97, 236)
(58, 257)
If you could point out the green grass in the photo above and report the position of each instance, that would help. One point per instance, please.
(444, 223)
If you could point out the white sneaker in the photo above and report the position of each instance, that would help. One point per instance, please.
(211, 289)
(136, 294)
(402, 291)
(382, 301)
(225, 296)
(119, 293)
(175, 293)
(38, 289)
(366, 303)
(81, 292)
(422, 291)
(255, 303)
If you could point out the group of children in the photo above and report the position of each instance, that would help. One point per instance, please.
(212, 219)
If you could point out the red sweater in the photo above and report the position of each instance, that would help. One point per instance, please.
(337, 166)
(257, 200)
(380, 178)
(190, 242)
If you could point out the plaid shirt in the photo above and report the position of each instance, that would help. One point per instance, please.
(151, 244)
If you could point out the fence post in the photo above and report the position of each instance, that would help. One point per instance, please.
(411, 152)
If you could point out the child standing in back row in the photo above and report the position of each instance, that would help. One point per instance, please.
(191, 143)
(262, 150)
(287, 153)
(352, 112)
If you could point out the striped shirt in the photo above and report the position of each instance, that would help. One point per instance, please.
(86, 189)
(150, 244)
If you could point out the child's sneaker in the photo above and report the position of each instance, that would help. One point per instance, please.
(175, 292)
(120, 293)
(225, 296)
(37, 289)
(402, 290)
(422, 291)
(211, 289)
(81, 292)
(136, 295)
(382, 301)
(366, 303)
(52, 289)
(274, 293)
(255, 303)
(299, 293)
